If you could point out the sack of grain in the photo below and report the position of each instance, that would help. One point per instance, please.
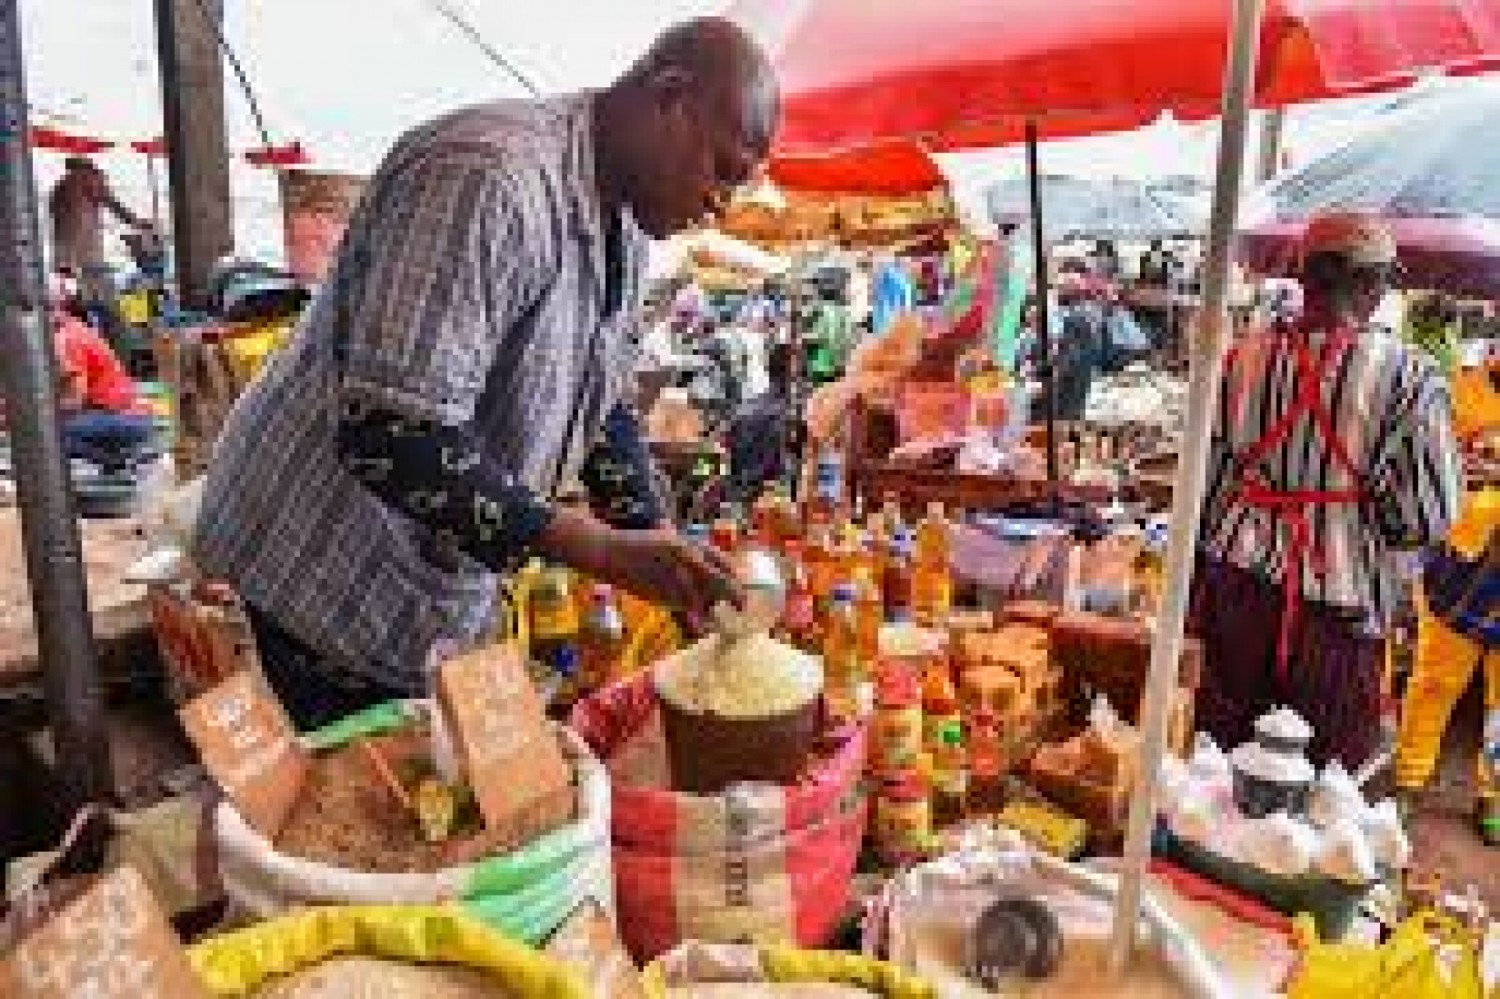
(708, 971)
(759, 862)
(526, 892)
(394, 951)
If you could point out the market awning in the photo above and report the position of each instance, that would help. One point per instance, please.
(898, 166)
(957, 72)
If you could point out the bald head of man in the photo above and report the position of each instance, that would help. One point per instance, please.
(687, 124)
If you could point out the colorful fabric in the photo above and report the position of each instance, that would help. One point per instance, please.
(96, 373)
(1391, 410)
(757, 863)
(1335, 674)
(473, 288)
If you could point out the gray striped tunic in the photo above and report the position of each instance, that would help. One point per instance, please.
(469, 288)
(1393, 412)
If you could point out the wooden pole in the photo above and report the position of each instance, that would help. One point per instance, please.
(192, 84)
(49, 525)
(1187, 495)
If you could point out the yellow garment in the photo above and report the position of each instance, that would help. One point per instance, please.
(1445, 663)
(239, 963)
(1407, 966)
(1476, 404)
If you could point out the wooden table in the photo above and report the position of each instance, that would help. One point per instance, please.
(118, 609)
(916, 487)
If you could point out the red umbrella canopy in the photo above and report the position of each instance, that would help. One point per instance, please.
(857, 70)
(895, 167)
(58, 141)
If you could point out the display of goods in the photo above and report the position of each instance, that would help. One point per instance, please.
(348, 841)
(704, 971)
(758, 860)
(385, 951)
(1410, 964)
(738, 708)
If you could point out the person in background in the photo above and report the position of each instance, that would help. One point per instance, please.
(1104, 261)
(892, 293)
(1078, 345)
(1332, 451)
(475, 332)
(764, 434)
(1431, 323)
(1156, 266)
(1458, 610)
(830, 337)
(104, 419)
(77, 206)
(861, 295)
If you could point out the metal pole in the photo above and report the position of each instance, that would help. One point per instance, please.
(1192, 467)
(49, 528)
(1272, 126)
(1046, 369)
(192, 100)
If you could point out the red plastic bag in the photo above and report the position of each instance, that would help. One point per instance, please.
(759, 863)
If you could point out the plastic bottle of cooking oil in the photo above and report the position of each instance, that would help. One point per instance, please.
(842, 670)
(932, 580)
(897, 579)
(602, 639)
(869, 613)
(821, 560)
(950, 777)
(826, 502)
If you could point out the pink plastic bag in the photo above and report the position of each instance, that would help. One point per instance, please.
(759, 863)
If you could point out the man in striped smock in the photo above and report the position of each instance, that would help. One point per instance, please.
(476, 330)
(1333, 450)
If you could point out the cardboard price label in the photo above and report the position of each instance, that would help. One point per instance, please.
(248, 744)
(200, 643)
(112, 942)
(500, 728)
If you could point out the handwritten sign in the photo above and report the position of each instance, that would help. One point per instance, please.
(512, 759)
(249, 746)
(932, 410)
(112, 942)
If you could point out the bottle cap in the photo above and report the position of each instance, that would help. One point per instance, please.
(696, 532)
(843, 592)
(951, 735)
(565, 661)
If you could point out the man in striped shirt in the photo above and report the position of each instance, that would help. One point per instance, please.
(1333, 450)
(478, 326)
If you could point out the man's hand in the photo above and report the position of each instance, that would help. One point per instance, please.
(658, 565)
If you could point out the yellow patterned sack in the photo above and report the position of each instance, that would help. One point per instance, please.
(237, 964)
(702, 964)
(1407, 966)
